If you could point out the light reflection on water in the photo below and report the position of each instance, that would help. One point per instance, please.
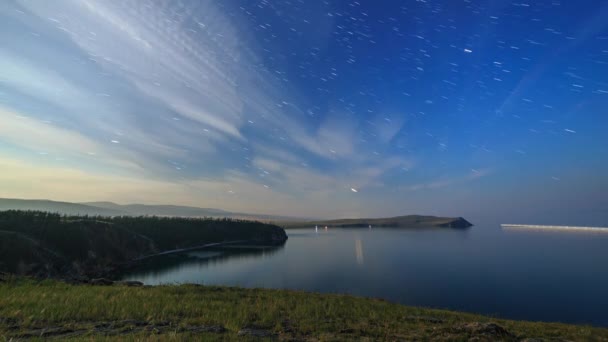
(359, 251)
(522, 275)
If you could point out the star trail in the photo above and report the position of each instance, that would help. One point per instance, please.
(308, 108)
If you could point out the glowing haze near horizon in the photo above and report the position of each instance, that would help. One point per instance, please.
(308, 108)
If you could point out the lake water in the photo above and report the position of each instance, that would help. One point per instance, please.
(531, 275)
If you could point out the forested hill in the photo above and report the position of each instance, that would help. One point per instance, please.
(49, 244)
(410, 221)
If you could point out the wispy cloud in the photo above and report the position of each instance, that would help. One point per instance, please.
(444, 182)
(177, 94)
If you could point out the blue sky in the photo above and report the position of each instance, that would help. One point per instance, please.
(309, 108)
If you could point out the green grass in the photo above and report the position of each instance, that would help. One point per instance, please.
(27, 304)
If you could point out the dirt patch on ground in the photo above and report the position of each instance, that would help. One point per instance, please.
(110, 328)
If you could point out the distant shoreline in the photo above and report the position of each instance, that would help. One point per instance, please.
(409, 221)
(550, 227)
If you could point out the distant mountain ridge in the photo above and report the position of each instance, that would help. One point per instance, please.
(57, 207)
(113, 209)
(160, 210)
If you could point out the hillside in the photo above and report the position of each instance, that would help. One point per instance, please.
(161, 210)
(47, 244)
(410, 221)
(113, 209)
(51, 309)
(67, 208)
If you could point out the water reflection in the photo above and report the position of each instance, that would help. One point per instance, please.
(157, 266)
(359, 251)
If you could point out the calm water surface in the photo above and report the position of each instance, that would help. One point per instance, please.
(532, 275)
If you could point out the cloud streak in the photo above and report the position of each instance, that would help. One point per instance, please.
(249, 107)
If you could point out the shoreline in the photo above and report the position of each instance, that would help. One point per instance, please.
(188, 249)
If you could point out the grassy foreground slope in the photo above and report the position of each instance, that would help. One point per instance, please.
(409, 221)
(47, 309)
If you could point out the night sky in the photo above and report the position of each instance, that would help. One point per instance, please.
(485, 109)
